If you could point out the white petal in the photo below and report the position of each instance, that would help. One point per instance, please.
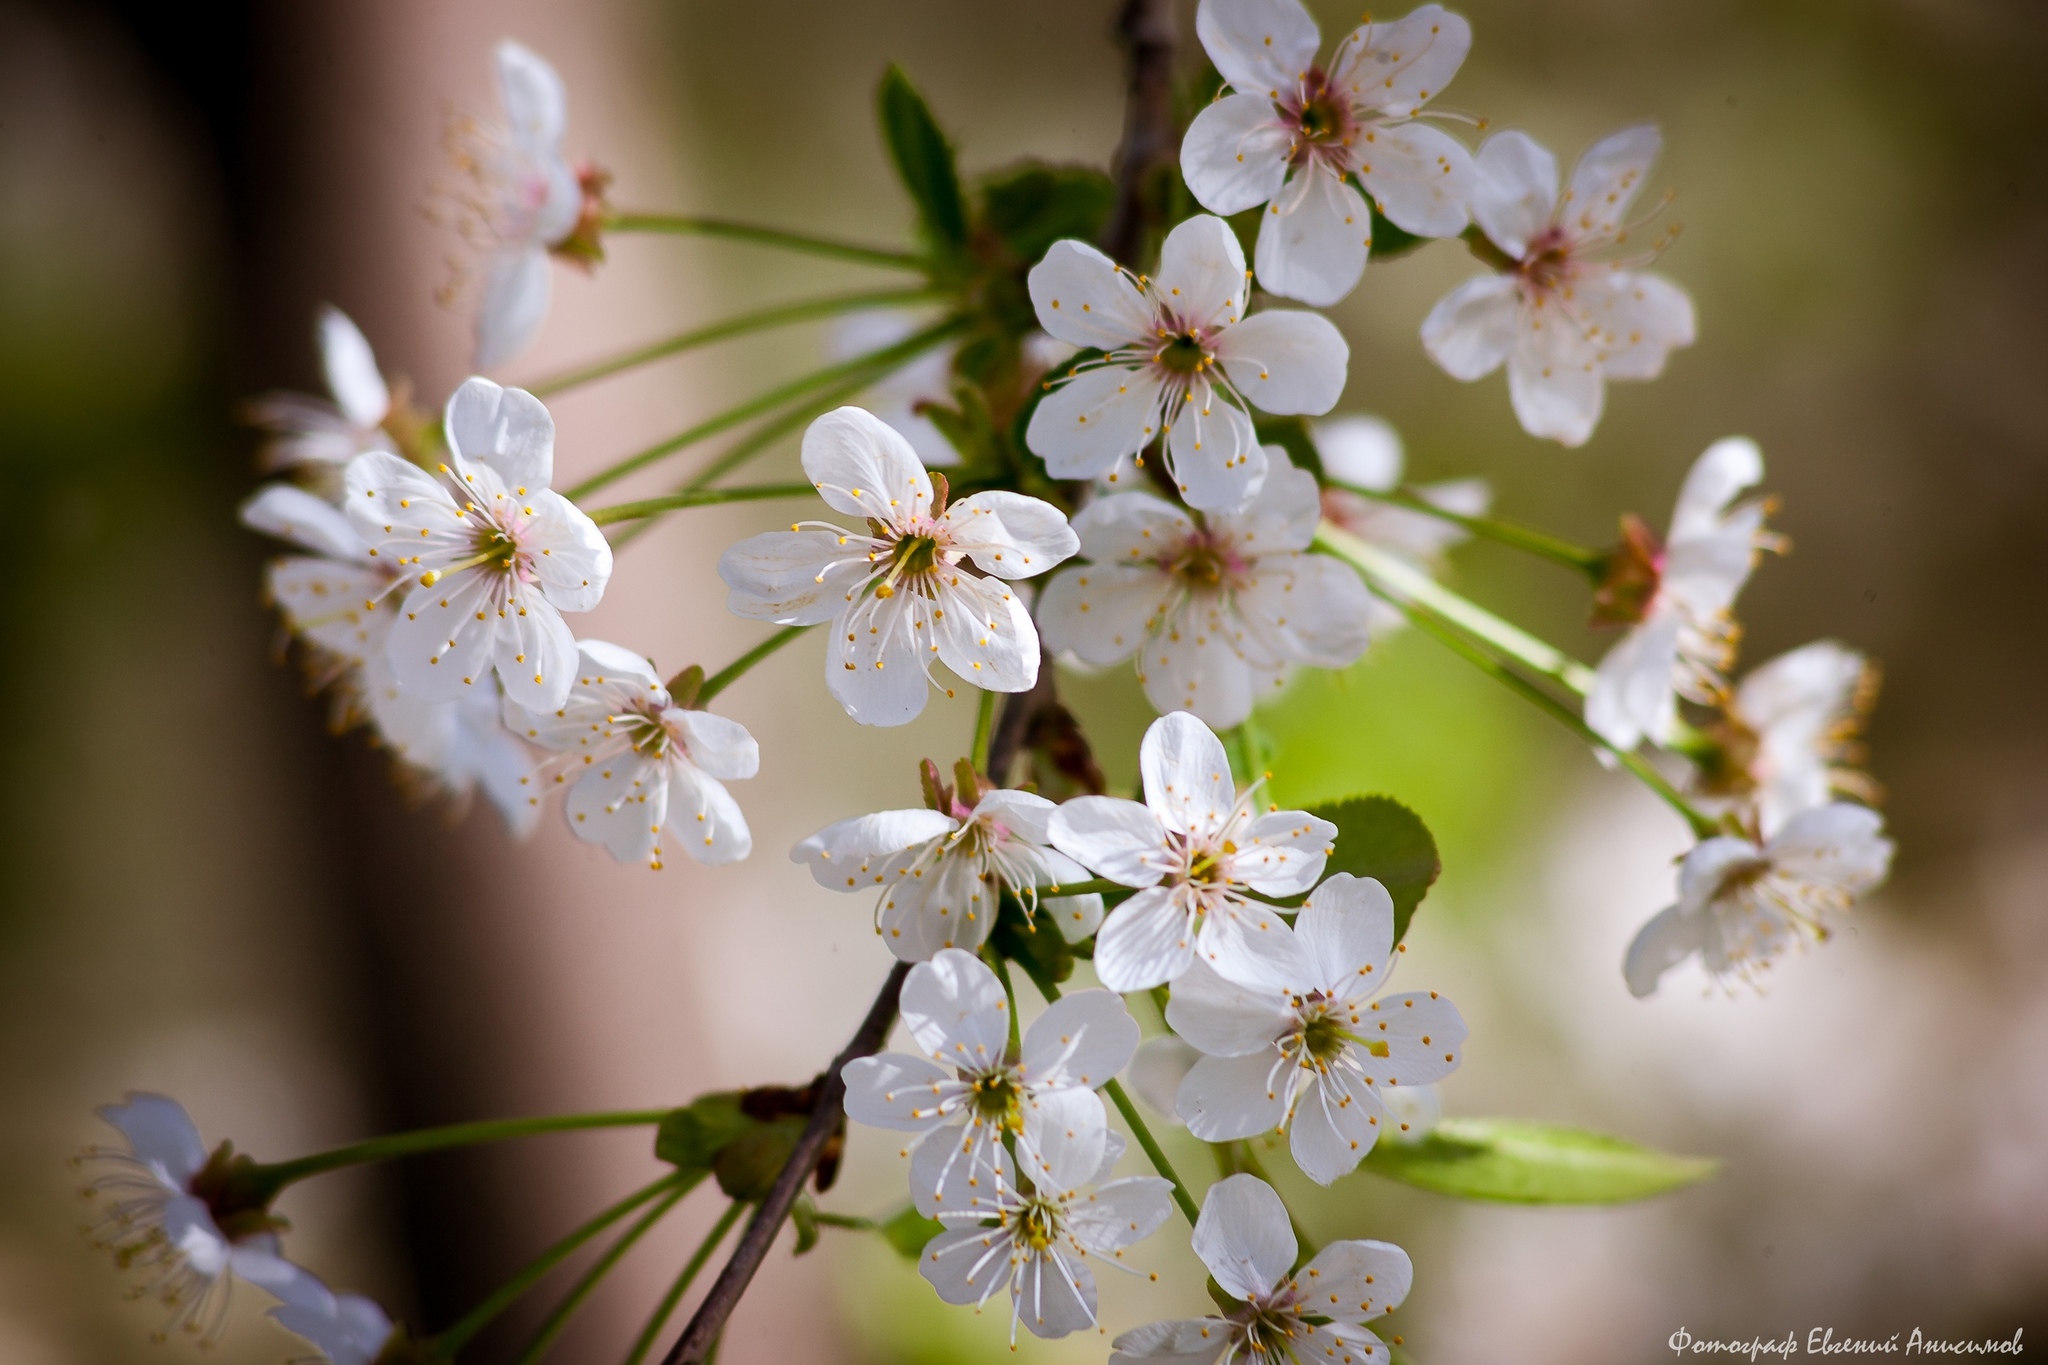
(1055, 1295)
(1243, 1236)
(1308, 609)
(1632, 695)
(397, 506)
(1554, 378)
(1128, 527)
(351, 370)
(1010, 535)
(1123, 1212)
(794, 578)
(1607, 179)
(1313, 239)
(570, 555)
(162, 1135)
(1839, 845)
(621, 803)
(1640, 318)
(1216, 460)
(1399, 66)
(1162, 1063)
(1673, 934)
(1234, 155)
(1066, 1133)
(1403, 1023)
(956, 1010)
(1191, 1341)
(1115, 838)
(1421, 178)
(1472, 329)
(1347, 928)
(1186, 775)
(1261, 45)
(289, 512)
(508, 429)
(945, 904)
(1225, 1019)
(1084, 426)
(1202, 279)
(328, 602)
(1364, 452)
(1145, 942)
(1250, 944)
(984, 634)
(1286, 361)
(719, 745)
(863, 467)
(1728, 466)
(1100, 613)
(1282, 852)
(1078, 917)
(897, 1091)
(1281, 516)
(439, 647)
(950, 1260)
(1082, 1039)
(704, 817)
(960, 1169)
(1515, 192)
(849, 854)
(1354, 1280)
(517, 284)
(1705, 869)
(1335, 1120)
(1193, 663)
(534, 652)
(1084, 300)
(531, 93)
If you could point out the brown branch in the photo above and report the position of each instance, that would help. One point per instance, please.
(698, 1338)
(1151, 140)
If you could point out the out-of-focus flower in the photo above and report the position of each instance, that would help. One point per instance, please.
(1214, 610)
(1563, 317)
(1312, 1056)
(177, 1217)
(1676, 598)
(640, 763)
(320, 435)
(495, 554)
(1039, 1245)
(894, 397)
(1292, 135)
(942, 871)
(1788, 737)
(1196, 848)
(347, 1329)
(967, 1093)
(1179, 357)
(1316, 1314)
(1740, 903)
(1162, 1063)
(900, 594)
(1365, 452)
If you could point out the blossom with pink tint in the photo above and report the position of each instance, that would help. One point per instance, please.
(1214, 611)
(1787, 739)
(301, 431)
(1294, 136)
(1563, 313)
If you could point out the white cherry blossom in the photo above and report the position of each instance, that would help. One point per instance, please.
(1740, 903)
(1198, 851)
(1787, 739)
(1315, 1315)
(1563, 311)
(1678, 597)
(347, 1329)
(1179, 357)
(1365, 452)
(940, 873)
(326, 433)
(1312, 1055)
(966, 1093)
(1039, 1244)
(158, 1207)
(640, 765)
(1294, 136)
(1162, 1063)
(900, 594)
(494, 554)
(1214, 610)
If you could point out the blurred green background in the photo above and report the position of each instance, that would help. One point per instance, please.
(204, 894)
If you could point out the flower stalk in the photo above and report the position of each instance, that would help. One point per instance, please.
(276, 1175)
(686, 225)
(1592, 563)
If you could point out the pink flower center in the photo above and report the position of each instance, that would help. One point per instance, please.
(1321, 122)
(1207, 561)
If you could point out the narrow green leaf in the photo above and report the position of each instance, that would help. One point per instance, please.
(804, 1214)
(924, 160)
(1379, 837)
(909, 1230)
(1511, 1161)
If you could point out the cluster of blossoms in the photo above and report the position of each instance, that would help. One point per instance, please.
(434, 573)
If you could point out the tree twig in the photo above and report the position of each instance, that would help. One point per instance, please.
(1148, 30)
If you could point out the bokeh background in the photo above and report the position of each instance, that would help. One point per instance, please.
(203, 893)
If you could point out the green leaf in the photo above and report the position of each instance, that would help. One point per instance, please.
(804, 1214)
(1033, 942)
(909, 1230)
(1291, 435)
(691, 1138)
(924, 160)
(1389, 241)
(1511, 1161)
(1379, 837)
(1032, 205)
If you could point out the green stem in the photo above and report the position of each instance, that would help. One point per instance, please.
(781, 315)
(448, 1343)
(697, 497)
(280, 1174)
(683, 225)
(847, 1220)
(1592, 563)
(732, 672)
(1002, 967)
(573, 1300)
(984, 727)
(796, 388)
(667, 1307)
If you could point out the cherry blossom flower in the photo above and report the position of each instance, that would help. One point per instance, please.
(1676, 599)
(1197, 850)
(347, 1329)
(1365, 452)
(1787, 738)
(640, 763)
(900, 594)
(1214, 610)
(168, 1212)
(522, 201)
(1039, 1242)
(1162, 1063)
(1564, 316)
(1316, 1314)
(1293, 136)
(497, 555)
(302, 431)
(942, 871)
(967, 1093)
(1741, 902)
(1179, 357)
(1312, 1056)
